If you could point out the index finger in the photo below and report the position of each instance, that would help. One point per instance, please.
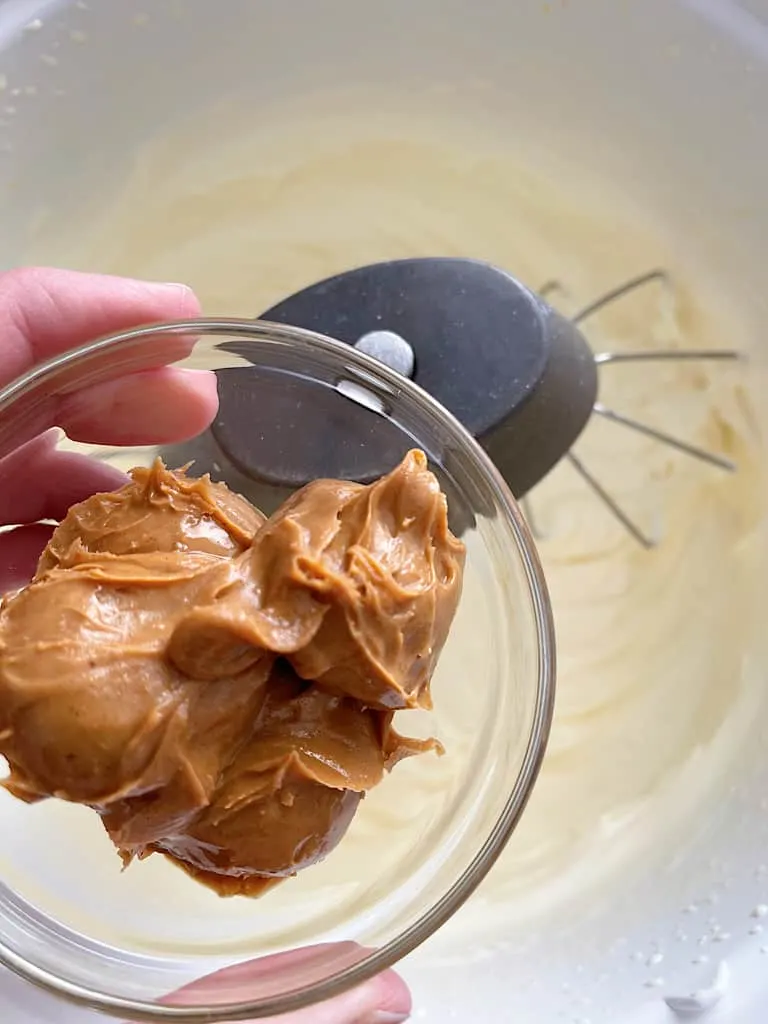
(44, 312)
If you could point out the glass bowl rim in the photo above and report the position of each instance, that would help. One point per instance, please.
(431, 920)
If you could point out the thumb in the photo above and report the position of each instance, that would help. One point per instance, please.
(384, 999)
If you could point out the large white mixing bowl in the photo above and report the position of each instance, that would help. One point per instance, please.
(255, 145)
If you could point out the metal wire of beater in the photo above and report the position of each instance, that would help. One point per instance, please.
(613, 416)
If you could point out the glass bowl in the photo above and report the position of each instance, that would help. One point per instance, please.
(294, 405)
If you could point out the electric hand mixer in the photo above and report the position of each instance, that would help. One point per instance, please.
(520, 377)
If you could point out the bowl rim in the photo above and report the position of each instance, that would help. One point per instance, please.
(439, 913)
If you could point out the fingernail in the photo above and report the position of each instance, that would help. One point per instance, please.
(183, 294)
(385, 1017)
(175, 286)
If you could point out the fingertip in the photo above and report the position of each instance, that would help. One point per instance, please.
(392, 996)
(162, 406)
(384, 999)
(44, 310)
(167, 300)
(198, 391)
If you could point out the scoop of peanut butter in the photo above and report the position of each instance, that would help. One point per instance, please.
(157, 511)
(218, 687)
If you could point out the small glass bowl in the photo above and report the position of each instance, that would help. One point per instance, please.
(296, 404)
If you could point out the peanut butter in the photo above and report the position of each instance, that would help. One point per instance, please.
(218, 687)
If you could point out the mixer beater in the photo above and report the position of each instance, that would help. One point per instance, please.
(621, 358)
(517, 373)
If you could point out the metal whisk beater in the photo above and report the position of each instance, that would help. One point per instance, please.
(622, 358)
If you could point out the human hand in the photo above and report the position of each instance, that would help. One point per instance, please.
(382, 1000)
(44, 312)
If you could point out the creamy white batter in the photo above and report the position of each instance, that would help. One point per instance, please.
(650, 706)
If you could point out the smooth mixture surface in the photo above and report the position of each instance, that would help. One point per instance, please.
(650, 643)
